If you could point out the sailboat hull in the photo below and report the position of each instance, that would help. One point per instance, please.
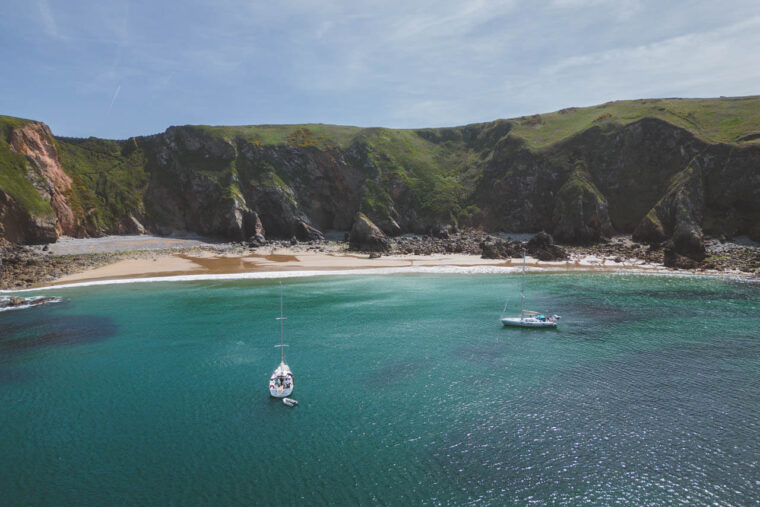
(279, 393)
(532, 323)
(281, 383)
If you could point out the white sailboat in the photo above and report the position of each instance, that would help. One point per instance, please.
(528, 318)
(281, 382)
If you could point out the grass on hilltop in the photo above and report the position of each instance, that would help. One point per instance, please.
(317, 135)
(723, 120)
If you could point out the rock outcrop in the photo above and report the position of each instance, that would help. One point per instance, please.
(18, 225)
(542, 247)
(7, 303)
(580, 211)
(497, 248)
(36, 142)
(366, 236)
(677, 216)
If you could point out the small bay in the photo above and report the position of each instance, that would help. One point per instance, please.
(410, 392)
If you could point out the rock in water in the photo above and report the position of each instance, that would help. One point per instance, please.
(17, 302)
(366, 236)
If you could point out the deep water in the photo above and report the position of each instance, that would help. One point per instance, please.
(410, 391)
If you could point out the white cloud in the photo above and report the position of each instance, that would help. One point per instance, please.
(48, 18)
(396, 63)
(113, 99)
(704, 63)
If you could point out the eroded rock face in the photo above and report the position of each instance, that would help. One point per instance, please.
(580, 211)
(366, 236)
(678, 216)
(36, 142)
(18, 226)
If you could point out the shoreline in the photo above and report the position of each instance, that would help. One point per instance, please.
(118, 260)
(287, 263)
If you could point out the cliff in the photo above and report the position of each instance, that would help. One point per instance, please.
(665, 170)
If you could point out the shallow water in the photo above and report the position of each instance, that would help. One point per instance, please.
(410, 391)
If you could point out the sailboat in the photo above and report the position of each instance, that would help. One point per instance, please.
(528, 318)
(281, 382)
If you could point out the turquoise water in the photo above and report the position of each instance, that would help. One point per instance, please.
(410, 391)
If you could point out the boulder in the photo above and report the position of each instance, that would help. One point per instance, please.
(440, 231)
(257, 240)
(366, 236)
(673, 259)
(305, 232)
(542, 247)
(496, 248)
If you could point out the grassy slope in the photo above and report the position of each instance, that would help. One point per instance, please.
(13, 173)
(313, 134)
(721, 120)
(724, 120)
(109, 178)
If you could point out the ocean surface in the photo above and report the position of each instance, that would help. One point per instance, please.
(410, 391)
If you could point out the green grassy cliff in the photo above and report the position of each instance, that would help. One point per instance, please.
(15, 177)
(580, 173)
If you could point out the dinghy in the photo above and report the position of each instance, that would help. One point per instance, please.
(290, 402)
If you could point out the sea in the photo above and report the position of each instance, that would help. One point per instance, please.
(410, 392)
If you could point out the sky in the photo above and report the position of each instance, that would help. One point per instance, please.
(116, 69)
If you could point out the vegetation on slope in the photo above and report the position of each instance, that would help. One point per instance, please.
(723, 120)
(321, 136)
(109, 179)
(14, 179)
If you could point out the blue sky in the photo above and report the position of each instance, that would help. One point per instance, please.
(135, 67)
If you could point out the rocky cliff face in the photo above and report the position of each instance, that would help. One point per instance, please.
(651, 177)
(36, 142)
(18, 225)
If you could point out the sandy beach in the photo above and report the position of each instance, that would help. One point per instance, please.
(120, 259)
(268, 260)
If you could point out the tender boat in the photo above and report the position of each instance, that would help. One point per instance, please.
(281, 382)
(290, 402)
(528, 318)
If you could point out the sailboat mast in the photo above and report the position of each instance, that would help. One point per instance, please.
(282, 329)
(522, 289)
